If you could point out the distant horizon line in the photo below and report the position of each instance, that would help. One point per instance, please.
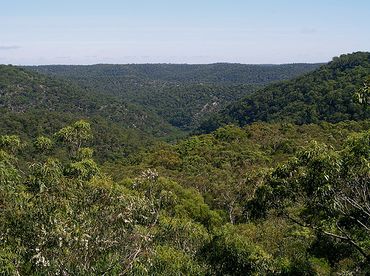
(185, 63)
(163, 63)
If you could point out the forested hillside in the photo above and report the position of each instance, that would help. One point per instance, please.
(330, 93)
(218, 73)
(91, 184)
(32, 104)
(182, 95)
(215, 204)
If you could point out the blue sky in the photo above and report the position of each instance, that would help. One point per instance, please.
(188, 31)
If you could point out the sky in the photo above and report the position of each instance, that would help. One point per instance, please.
(34, 32)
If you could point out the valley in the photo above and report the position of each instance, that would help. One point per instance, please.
(164, 169)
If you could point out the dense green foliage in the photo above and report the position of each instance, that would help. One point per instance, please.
(32, 104)
(180, 94)
(168, 215)
(327, 94)
(23, 91)
(226, 165)
(326, 191)
(218, 73)
(87, 188)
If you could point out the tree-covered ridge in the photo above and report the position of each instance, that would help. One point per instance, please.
(25, 91)
(65, 216)
(218, 73)
(327, 94)
(181, 94)
(32, 104)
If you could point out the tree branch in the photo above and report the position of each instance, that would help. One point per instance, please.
(345, 238)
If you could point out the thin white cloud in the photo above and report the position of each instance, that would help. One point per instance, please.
(9, 47)
(308, 31)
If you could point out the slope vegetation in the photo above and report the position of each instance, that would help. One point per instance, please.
(180, 94)
(327, 94)
(33, 104)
